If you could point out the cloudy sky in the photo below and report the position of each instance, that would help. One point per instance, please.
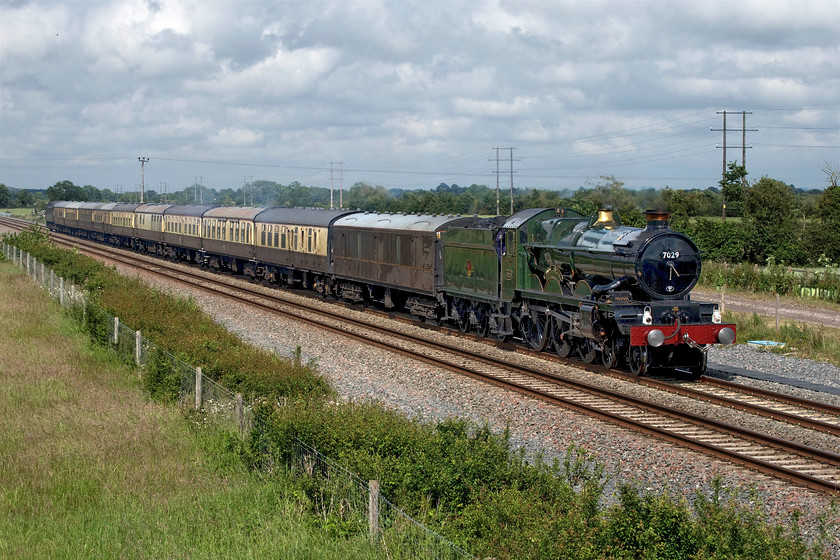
(412, 94)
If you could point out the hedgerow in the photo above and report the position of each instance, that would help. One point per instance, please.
(174, 324)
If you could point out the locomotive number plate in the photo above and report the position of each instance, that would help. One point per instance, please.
(670, 255)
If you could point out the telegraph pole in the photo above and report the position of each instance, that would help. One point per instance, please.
(744, 147)
(143, 161)
(497, 181)
(497, 178)
(340, 185)
(511, 181)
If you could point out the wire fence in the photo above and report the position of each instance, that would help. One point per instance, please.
(341, 498)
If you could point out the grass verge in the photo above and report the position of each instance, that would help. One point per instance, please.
(90, 468)
(801, 340)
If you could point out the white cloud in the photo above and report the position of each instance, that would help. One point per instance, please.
(236, 137)
(377, 82)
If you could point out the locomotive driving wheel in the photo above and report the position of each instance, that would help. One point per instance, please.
(639, 360)
(588, 350)
(560, 339)
(609, 355)
(536, 330)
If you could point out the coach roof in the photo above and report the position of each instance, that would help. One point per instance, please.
(233, 212)
(152, 208)
(318, 217)
(186, 210)
(396, 222)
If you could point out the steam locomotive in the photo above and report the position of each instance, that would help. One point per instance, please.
(580, 286)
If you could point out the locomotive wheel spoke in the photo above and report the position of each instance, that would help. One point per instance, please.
(639, 360)
(535, 329)
(562, 344)
(588, 350)
(609, 357)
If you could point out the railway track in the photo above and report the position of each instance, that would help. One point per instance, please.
(815, 468)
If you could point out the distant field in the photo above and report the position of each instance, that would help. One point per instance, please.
(17, 212)
(736, 219)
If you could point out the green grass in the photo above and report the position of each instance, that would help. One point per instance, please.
(801, 340)
(17, 212)
(90, 468)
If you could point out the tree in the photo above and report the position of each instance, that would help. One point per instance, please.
(832, 173)
(5, 196)
(25, 199)
(733, 185)
(771, 215)
(682, 204)
(66, 190)
(823, 239)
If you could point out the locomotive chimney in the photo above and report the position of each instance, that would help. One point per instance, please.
(657, 219)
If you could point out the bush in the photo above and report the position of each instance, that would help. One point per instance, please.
(174, 324)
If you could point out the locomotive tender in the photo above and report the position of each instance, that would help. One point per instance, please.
(578, 285)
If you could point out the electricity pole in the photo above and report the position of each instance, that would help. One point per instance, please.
(340, 187)
(744, 147)
(511, 181)
(143, 161)
(497, 178)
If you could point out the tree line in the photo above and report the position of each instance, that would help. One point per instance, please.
(763, 222)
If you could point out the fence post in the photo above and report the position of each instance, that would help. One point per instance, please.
(72, 294)
(373, 509)
(777, 313)
(137, 346)
(52, 280)
(722, 300)
(198, 388)
(240, 414)
(116, 331)
(61, 291)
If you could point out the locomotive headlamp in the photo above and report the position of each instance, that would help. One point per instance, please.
(647, 317)
(655, 338)
(716, 315)
(726, 336)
